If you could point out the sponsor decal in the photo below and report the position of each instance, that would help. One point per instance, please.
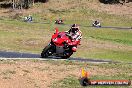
(85, 81)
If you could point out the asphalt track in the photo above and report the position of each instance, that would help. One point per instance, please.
(17, 55)
(102, 27)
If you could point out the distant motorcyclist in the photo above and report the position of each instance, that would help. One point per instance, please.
(59, 21)
(28, 18)
(96, 24)
(75, 35)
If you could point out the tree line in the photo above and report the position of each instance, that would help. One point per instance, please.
(20, 4)
(115, 1)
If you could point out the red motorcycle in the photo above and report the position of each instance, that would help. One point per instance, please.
(61, 46)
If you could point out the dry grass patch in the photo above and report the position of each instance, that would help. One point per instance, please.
(35, 73)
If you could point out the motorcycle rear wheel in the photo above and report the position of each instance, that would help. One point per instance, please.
(67, 56)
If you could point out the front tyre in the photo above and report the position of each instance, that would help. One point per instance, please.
(46, 52)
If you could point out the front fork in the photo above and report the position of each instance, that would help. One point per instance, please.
(52, 46)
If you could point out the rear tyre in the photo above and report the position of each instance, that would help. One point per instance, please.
(67, 55)
(46, 52)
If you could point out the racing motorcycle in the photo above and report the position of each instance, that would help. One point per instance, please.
(59, 22)
(60, 46)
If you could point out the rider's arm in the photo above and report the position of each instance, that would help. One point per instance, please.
(74, 42)
(76, 39)
(78, 35)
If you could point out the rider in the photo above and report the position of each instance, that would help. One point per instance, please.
(30, 18)
(60, 20)
(75, 35)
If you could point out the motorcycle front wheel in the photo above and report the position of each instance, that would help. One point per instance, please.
(46, 51)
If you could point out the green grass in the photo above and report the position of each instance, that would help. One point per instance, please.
(105, 54)
(119, 36)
